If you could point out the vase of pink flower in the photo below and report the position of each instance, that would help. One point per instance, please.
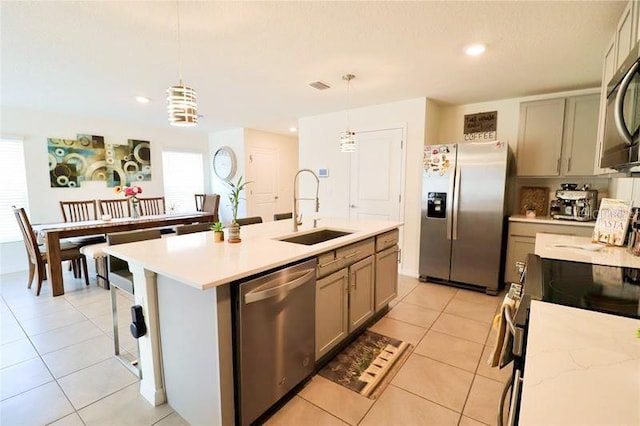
(131, 193)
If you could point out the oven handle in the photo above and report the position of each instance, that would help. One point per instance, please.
(619, 105)
(503, 398)
(256, 296)
(515, 400)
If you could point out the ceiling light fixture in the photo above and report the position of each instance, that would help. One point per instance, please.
(293, 129)
(142, 99)
(475, 49)
(348, 137)
(181, 100)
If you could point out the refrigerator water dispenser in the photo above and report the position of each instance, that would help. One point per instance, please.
(437, 204)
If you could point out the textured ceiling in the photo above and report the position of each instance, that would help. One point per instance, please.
(251, 62)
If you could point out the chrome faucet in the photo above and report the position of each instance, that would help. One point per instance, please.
(298, 220)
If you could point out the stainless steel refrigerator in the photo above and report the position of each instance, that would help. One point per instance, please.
(463, 213)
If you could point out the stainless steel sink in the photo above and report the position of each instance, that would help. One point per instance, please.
(316, 237)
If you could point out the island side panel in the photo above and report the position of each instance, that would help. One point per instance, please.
(197, 358)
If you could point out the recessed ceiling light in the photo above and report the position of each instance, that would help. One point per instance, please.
(293, 129)
(475, 49)
(142, 99)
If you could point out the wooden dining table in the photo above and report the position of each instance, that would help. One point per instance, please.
(52, 233)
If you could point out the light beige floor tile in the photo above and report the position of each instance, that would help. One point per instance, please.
(482, 404)
(301, 412)
(172, 419)
(432, 296)
(65, 336)
(399, 330)
(477, 297)
(336, 399)
(104, 323)
(87, 295)
(70, 420)
(475, 311)
(435, 381)
(466, 421)
(499, 374)
(406, 284)
(48, 307)
(53, 321)
(450, 350)
(38, 406)
(413, 314)
(125, 407)
(22, 377)
(461, 327)
(10, 331)
(399, 407)
(16, 352)
(94, 309)
(78, 356)
(87, 386)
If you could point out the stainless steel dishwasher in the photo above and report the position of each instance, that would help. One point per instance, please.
(275, 337)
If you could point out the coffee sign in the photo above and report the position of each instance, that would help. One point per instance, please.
(481, 126)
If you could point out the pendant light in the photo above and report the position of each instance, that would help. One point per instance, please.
(181, 100)
(348, 137)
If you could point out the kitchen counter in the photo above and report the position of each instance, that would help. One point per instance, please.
(548, 220)
(608, 255)
(582, 368)
(196, 260)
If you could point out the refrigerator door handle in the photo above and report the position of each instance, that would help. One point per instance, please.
(449, 211)
(456, 203)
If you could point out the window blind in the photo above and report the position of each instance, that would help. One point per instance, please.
(183, 176)
(14, 188)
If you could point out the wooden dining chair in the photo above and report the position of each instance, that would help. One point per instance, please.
(152, 206)
(38, 257)
(78, 211)
(116, 208)
(282, 216)
(194, 227)
(211, 204)
(249, 220)
(199, 201)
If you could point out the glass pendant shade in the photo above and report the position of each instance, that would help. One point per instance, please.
(348, 141)
(181, 105)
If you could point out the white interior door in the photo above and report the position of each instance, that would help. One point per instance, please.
(376, 177)
(263, 170)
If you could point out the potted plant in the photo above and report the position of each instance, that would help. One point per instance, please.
(234, 199)
(530, 210)
(218, 234)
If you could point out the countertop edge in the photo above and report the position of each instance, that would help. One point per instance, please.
(547, 220)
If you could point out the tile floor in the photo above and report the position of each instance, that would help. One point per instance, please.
(57, 367)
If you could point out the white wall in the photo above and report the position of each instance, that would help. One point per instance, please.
(36, 126)
(319, 147)
(234, 139)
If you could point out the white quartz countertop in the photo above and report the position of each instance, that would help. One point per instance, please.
(546, 247)
(582, 368)
(196, 260)
(548, 220)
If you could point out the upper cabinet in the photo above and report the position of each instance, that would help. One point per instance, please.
(557, 137)
(625, 35)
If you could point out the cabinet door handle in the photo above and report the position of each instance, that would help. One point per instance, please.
(324, 265)
(558, 165)
(352, 254)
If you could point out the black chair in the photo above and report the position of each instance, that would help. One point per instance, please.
(282, 216)
(121, 278)
(249, 220)
(193, 228)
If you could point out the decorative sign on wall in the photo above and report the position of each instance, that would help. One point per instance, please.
(72, 161)
(481, 126)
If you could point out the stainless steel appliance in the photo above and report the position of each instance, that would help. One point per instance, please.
(622, 119)
(274, 322)
(577, 205)
(463, 212)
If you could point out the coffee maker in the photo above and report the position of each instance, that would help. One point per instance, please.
(574, 204)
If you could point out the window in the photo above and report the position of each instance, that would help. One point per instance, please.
(14, 187)
(183, 177)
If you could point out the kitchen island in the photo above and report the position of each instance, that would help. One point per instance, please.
(582, 368)
(182, 284)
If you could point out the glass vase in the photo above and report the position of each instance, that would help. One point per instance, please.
(135, 208)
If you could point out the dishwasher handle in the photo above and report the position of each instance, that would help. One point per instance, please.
(258, 294)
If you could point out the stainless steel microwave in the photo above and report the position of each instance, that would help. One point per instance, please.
(622, 119)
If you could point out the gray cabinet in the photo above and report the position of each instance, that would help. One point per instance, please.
(558, 137)
(332, 298)
(386, 277)
(522, 241)
(540, 137)
(361, 292)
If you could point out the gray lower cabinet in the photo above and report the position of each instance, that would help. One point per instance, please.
(332, 298)
(361, 292)
(386, 277)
